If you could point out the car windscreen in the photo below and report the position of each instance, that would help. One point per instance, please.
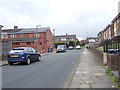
(60, 46)
(117, 53)
(17, 50)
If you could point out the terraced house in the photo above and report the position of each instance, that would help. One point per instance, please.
(111, 31)
(38, 38)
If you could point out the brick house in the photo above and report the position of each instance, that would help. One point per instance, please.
(111, 30)
(92, 39)
(108, 32)
(100, 37)
(116, 25)
(65, 39)
(38, 38)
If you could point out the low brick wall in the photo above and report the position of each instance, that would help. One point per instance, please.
(4, 57)
(119, 68)
(112, 62)
(98, 53)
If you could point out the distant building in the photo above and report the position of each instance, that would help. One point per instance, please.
(92, 39)
(66, 39)
(100, 37)
(38, 38)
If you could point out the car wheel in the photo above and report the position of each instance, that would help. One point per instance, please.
(10, 63)
(28, 61)
(39, 58)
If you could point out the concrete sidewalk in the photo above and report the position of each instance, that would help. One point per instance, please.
(90, 73)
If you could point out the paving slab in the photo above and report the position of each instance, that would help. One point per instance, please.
(84, 86)
(90, 73)
(107, 85)
(74, 86)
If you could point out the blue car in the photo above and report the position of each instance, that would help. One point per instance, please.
(23, 55)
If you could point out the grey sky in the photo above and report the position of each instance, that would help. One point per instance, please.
(65, 16)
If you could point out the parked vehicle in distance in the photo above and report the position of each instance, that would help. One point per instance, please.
(61, 48)
(117, 52)
(78, 47)
(111, 51)
(23, 55)
(70, 48)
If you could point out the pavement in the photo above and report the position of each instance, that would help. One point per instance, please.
(4, 62)
(90, 73)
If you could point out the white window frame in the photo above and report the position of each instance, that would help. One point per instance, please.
(22, 35)
(13, 35)
(4, 35)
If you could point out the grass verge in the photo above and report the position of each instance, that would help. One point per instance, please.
(112, 77)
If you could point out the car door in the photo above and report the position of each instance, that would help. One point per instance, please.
(34, 54)
(30, 53)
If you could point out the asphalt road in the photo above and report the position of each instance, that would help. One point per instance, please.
(53, 71)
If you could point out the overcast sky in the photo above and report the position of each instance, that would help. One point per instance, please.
(81, 17)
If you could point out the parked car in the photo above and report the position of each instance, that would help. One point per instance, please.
(70, 47)
(23, 55)
(61, 48)
(111, 51)
(117, 52)
(78, 47)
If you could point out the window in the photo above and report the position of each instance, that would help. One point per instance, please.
(40, 43)
(15, 43)
(36, 34)
(71, 39)
(119, 33)
(115, 29)
(117, 21)
(21, 35)
(32, 50)
(13, 35)
(3, 36)
(28, 43)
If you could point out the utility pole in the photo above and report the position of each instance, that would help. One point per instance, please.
(87, 37)
(37, 36)
(53, 38)
(0, 31)
(0, 43)
(37, 29)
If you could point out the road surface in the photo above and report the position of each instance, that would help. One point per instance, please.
(53, 71)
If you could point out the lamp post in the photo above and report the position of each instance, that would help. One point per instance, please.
(53, 38)
(36, 35)
(37, 30)
(0, 31)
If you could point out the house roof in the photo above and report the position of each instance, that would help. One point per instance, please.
(65, 36)
(115, 18)
(92, 38)
(26, 30)
(106, 27)
(34, 30)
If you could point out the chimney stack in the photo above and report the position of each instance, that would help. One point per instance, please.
(118, 7)
(15, 27)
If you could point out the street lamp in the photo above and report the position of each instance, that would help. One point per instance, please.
(37, 29)
(53, 38)
(0, 31)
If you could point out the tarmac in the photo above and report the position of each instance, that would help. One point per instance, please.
(90, 73)
(4, 62)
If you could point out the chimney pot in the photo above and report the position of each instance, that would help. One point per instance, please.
(15, 27)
